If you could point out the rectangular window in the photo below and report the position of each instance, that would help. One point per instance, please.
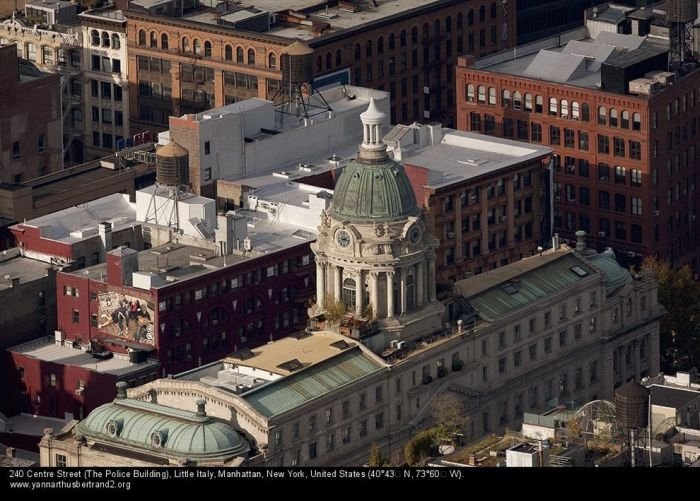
(379, 421)
(76, 316)
(61, 461)
(15, 151)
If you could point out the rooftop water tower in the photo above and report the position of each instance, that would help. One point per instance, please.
(680, 15)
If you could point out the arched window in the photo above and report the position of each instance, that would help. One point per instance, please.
(95, 37)
(625, 119)
(338, 57)
(585, 112)
(251, 57)
(517, 100)
(228, 53)
(448, 24)
(319, 64)
(329, 61)
(272, 61)
(481, 94)
(437, 27)
(460, 21)
(239, 55)
(410, 293)
(575, 110)
(142, 37)
(349, 292)
(116, 42)
(426, 31)
(197, 46)
(153, 39)
(539, 104)
(470, 17)
(164, 41)
(207, 49)
(185, 44)
(492, 95)
(368, 50)
(380, 45)
(470, 93)
(392, 41)
(613, 117)
(553, 106)
(414, 36)
(528, 101)
(358, 52)
(482, 14)
(217, 316)
(505, 98)
(636, 121)
(602, 115)
(493, 10)
(564, 108)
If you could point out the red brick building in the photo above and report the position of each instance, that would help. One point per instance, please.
(195, 60)
(486, 197)
(30, 120)
(624, 134)
(192, 308)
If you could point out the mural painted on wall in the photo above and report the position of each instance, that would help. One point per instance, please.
(126, 316)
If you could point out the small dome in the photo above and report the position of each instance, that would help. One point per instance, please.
(298, 48)
(158, 428)
(172, 149)
(615, 275)
(372, 192)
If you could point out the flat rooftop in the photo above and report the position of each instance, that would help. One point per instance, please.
(79, 222)
(47, 350)
(172, 262)
(13, 265)
(309, 350)
(465, 155)
(338, 18)
(575, 58)
(666, 396)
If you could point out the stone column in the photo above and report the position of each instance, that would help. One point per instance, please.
(359, 292)
(420, 289)
(337, 282)
(431, 277)
(403, 275)
(374, 292)
(320, 284)
(389, 294)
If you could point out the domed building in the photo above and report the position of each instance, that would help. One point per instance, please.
(375, 253)
(128, 432)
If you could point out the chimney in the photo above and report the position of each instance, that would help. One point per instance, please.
(14, 282)
(11, 452)
(105, 231)
(555, 241)
(121, 264)
(472, 460)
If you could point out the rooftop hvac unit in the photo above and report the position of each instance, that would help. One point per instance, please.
(247, 244)
(644, 86)
(393, 343)
(400, 345)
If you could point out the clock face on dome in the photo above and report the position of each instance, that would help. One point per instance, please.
(343, 238)
(414, 235)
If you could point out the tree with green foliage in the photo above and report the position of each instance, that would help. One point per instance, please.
(680, 329)
(420, 447)
(376, 458)
(334, 311)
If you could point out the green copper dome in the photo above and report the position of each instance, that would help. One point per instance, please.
(166, 430)
(615, 275)
(368, 192)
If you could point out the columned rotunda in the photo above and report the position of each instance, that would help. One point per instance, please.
(374, 252)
